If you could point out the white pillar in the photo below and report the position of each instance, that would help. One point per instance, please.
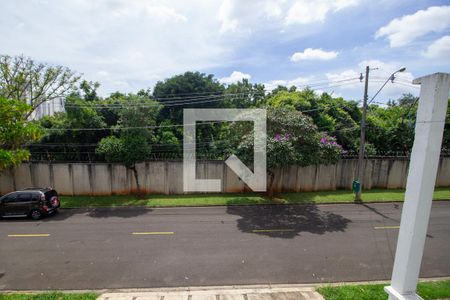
(434, 93)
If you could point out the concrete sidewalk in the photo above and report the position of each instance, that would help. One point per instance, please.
(260, 292)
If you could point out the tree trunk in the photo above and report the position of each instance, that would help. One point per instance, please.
(11, 174)
(136, 177)
(270, 185)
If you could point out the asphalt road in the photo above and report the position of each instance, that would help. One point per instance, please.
(138, 247)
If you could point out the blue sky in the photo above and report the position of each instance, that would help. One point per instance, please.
(129, 45)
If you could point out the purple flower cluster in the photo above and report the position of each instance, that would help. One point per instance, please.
(326, 141)
(278, 137)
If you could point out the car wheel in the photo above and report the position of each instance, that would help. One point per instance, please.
(35, 214)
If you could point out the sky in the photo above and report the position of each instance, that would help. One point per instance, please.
(127, 45)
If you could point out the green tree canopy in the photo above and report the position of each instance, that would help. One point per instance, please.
(23, 79)
(243, 94)
(134, 133)
(15, 132)
(336, 116)
(390, 129)
(292, 139)
(188, 90)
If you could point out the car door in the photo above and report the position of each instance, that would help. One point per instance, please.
(24, 203)
(9, 205)
(2, 209)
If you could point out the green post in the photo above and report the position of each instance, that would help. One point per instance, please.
(356, 187)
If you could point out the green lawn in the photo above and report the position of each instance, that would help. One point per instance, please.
(163, 200)
(48, 296)
(427, 290)
(340, 196)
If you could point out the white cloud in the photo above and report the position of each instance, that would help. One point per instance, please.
(159, 12)
(126, 45)
(103, 73)
(245, 17)
(129, 45)
(166, 14)
(345, 83)
(309, 11)
(439, 49)
(348, 74)
(272, 84)
(380, 72)
(341, 4)
(273, 9)
(300, 82)
(234, 77)
(402, 31)
(379, 68)
(229, 23)
(313, 54)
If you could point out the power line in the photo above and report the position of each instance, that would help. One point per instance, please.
(202, 99)
(120, 106)
(135, 127)
(408, 85)
(217, 93)
(163, 126)
(154, 104)
(183, 97)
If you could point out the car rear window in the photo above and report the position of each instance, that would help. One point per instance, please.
(49, 194)
(23, 197)
(9, 198)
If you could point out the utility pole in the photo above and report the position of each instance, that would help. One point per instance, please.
(363, 137)
(422, 173)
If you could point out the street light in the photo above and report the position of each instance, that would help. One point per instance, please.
(358, 183)
(391, 78)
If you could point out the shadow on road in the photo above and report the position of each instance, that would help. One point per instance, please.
(120, 212)
(287, 221)
(101, 212)
(374, 210)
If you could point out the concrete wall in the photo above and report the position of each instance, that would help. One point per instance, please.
(166, 177)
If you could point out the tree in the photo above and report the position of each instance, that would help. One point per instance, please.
(134, 135)
(188, 90)
(168, 139)
(298, 100)
(292, 139)
(279, 88)
(391, 130)
(407, 100)
(88, 91)
(66, 137)
(336, 116)
(243, 94)
(33, 83)
(15, 131)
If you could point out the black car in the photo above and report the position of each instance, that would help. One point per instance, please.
(31, 202)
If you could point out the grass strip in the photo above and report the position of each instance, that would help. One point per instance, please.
(48, 296)
(427, 290)
(339, 196)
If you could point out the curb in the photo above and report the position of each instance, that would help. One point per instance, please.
(225, 287)
(248, 205)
